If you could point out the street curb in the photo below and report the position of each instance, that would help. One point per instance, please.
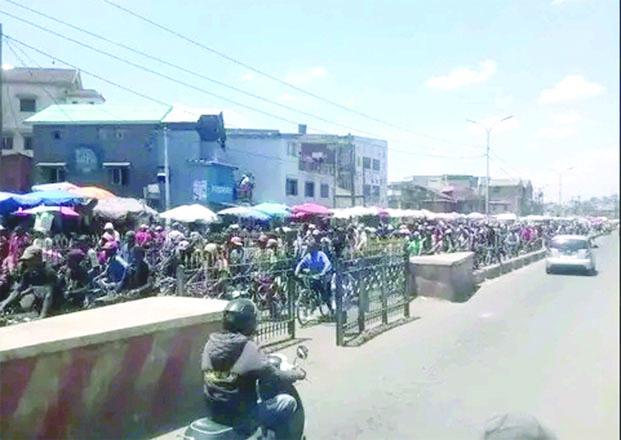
(496, 270)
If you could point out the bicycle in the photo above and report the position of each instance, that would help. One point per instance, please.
(308, 299)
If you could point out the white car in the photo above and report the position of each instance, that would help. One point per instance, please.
(570, 252)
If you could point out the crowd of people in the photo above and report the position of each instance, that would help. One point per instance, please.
(50, 274)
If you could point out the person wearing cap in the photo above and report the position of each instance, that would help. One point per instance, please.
(109, 234)
(37, 280)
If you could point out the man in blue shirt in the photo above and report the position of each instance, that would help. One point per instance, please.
(318, 266)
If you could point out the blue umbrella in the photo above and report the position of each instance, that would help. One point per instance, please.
(51, 198)
(273, 209)
(245, 212)
(10, 202)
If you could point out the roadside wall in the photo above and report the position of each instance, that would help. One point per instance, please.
(446, 276)
(120, 371)
(496, 270)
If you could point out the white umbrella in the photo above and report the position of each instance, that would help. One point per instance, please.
(190, 214)
(115, 208)
(508, 216)
(60, 186)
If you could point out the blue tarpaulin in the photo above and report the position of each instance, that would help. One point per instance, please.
(52, 198)
(10, 202)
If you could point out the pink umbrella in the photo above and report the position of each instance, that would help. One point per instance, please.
(310, 209)
(65, 211)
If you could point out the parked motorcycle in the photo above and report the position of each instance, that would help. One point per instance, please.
(206, 429)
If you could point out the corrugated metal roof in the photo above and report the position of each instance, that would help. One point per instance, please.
(67, 114)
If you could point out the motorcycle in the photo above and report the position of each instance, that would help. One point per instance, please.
(206, 429)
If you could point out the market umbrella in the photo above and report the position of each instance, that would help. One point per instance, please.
(91, 192)
(65, 211)
(190, 214)
(51, 198)
(273, 209)
(59, 186)
(310, 209)
(245, 212)
(116, 208)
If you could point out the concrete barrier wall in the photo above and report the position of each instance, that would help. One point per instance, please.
(446, 276)
(510, 265)
(122, 371)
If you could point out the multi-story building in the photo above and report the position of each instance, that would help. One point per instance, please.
(442, 193)
(124, 149)
(511, 195)
(294, 168)
(26, 91)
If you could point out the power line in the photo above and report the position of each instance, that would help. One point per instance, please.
(47, 92)
(216, 95)
(175, 66)
(278, 80)
(501, 168)
(210, 93)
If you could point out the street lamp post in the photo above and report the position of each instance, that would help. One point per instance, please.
(560, 188)
(488, 130)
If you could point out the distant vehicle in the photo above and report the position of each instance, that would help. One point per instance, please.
(570, 252)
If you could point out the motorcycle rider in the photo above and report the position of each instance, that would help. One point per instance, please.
(231, 364)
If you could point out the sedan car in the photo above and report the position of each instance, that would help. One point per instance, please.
(570, 252)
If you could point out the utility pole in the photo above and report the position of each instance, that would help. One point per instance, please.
(166, 171)
(336, 173)
(560, 189)
(488, 130)
(353, 171)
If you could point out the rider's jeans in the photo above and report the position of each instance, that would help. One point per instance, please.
(323, 287)
(275, 413)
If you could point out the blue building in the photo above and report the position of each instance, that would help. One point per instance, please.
(123, 149)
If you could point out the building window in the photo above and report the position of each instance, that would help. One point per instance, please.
(324, 190)
(366, 163)
(291, 187)
(367, 190)
(376, 164)
(56, 134)
(309, 189)
(27, 105)
(292, 149)
(28, 142)
(376, 191)
(55, 174)
(7, 142)
(118, 176)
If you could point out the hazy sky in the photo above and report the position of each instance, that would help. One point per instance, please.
(423, 66)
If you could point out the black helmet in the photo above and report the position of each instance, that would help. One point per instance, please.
(240, 316)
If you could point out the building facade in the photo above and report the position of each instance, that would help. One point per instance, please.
(293, 168)
(124, 149)
(26, 91)
(511, 195)
(442, 193)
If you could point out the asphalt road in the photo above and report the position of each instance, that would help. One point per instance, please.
(543, 344)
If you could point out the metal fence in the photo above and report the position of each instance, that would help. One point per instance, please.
(371, 289)
(267, 280)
